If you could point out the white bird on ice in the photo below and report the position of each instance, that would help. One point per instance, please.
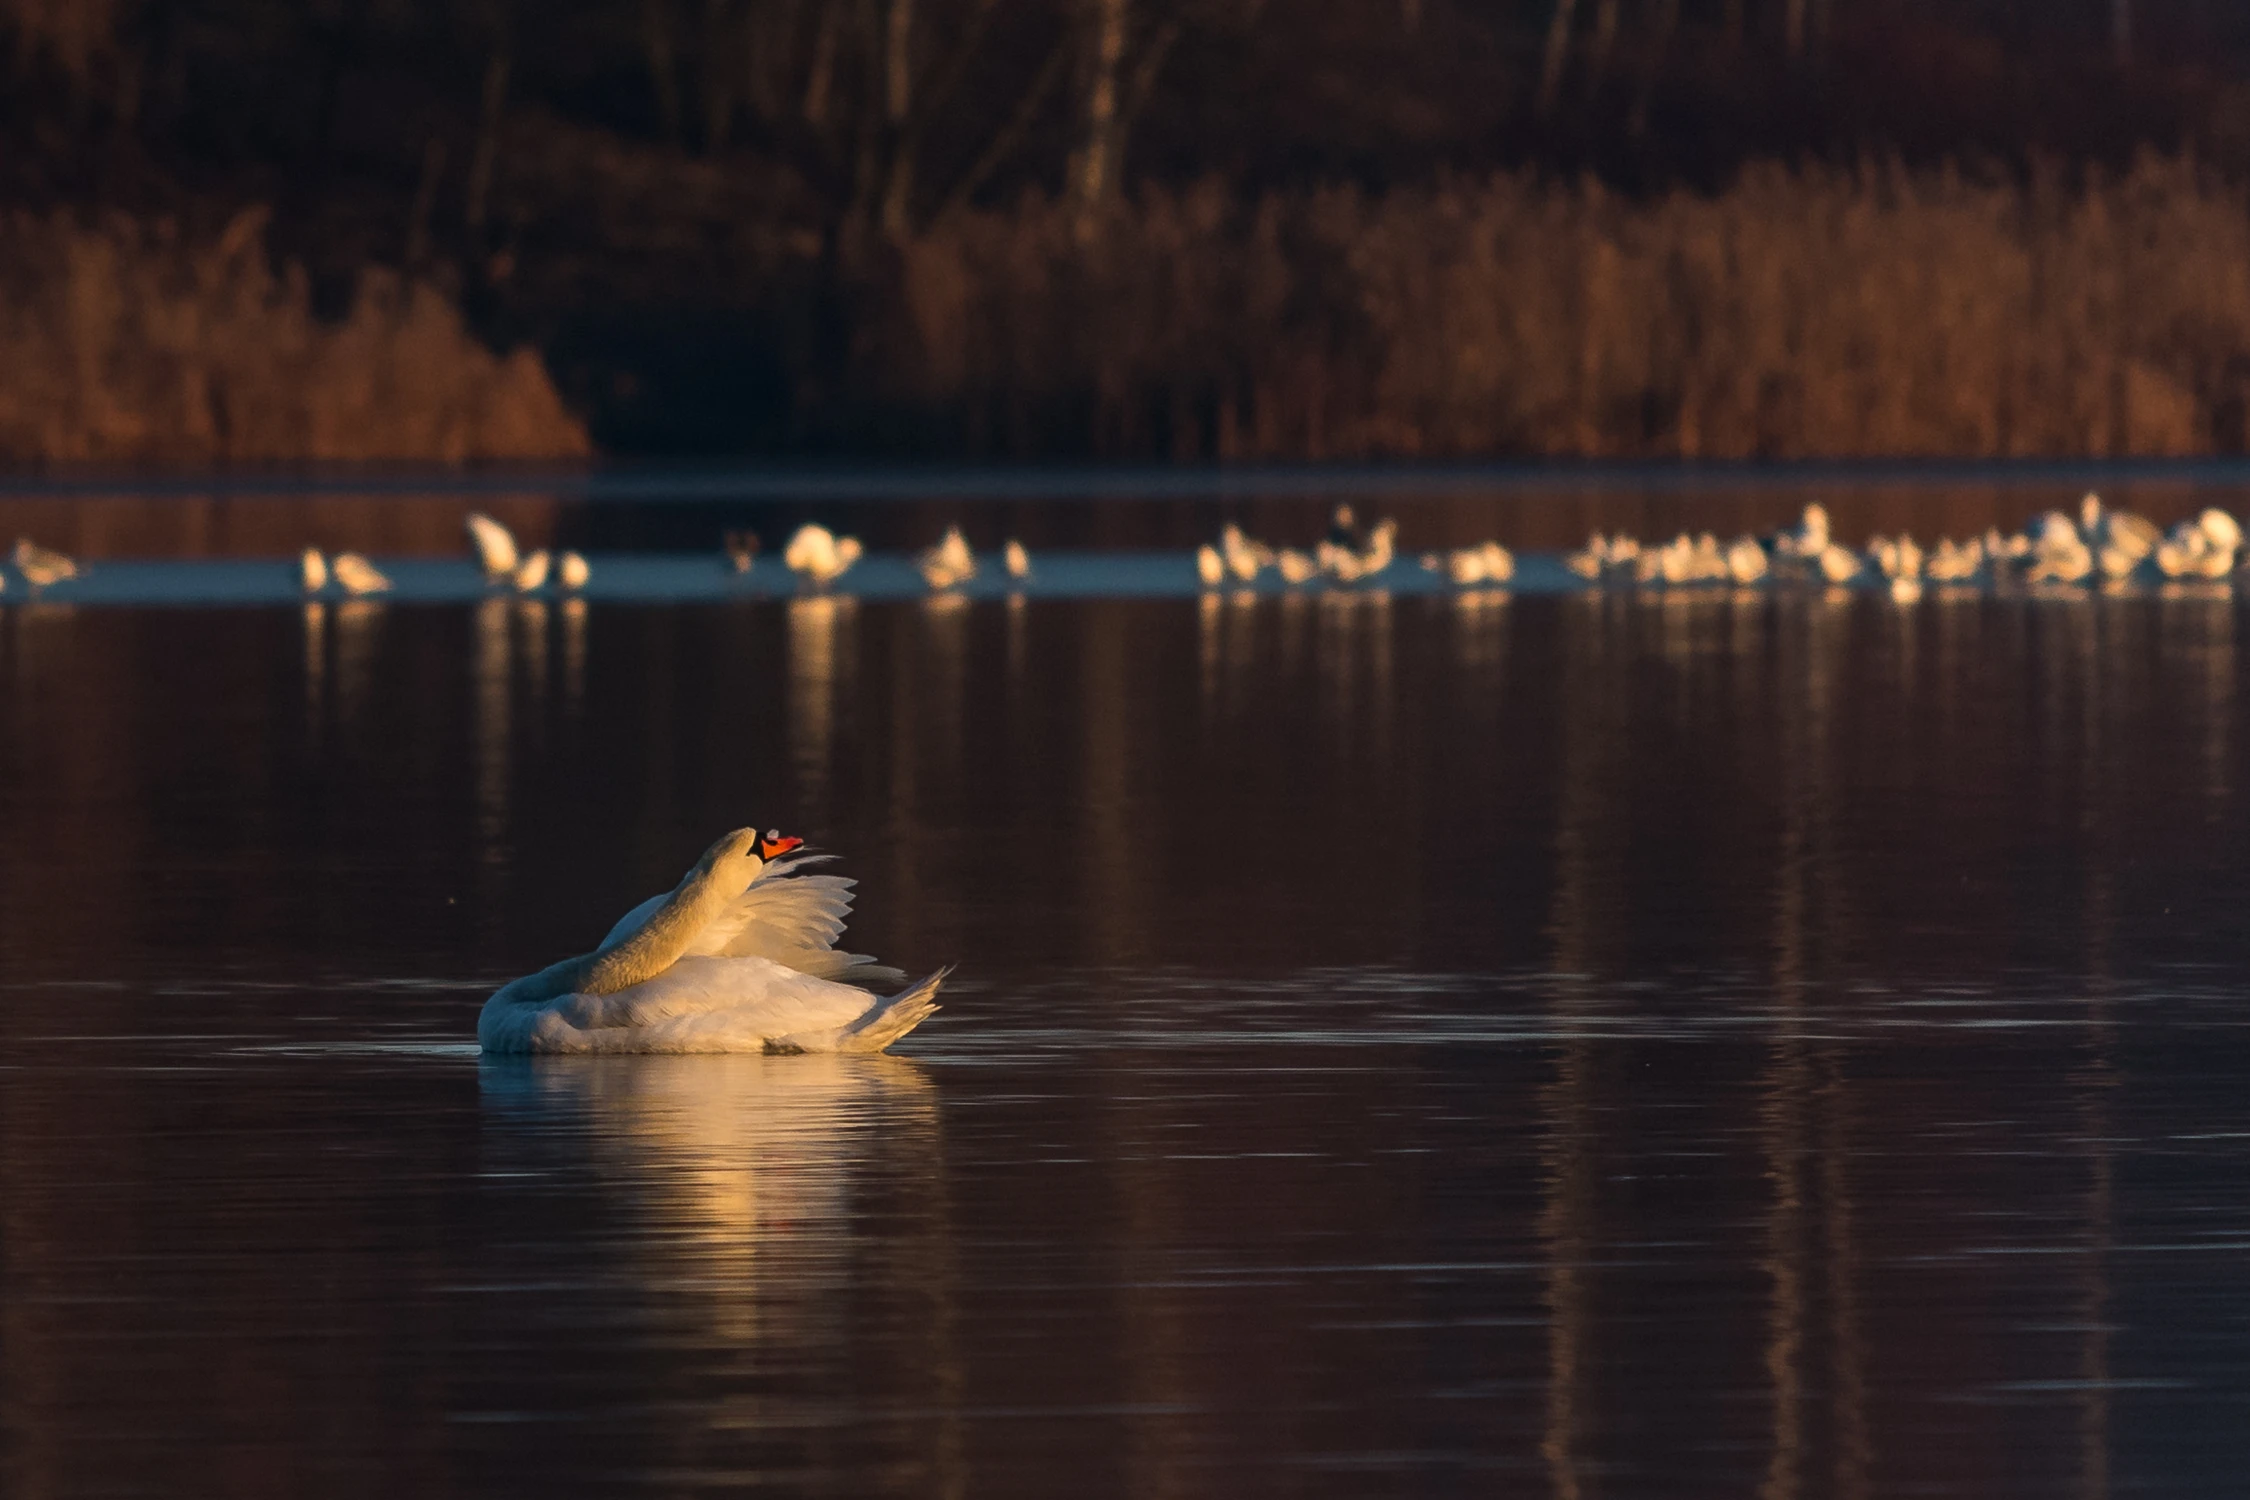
(818, 555)
(572, 571)
(41, 566)
(1243, 557)
(357, 575)
(531, 573)
(1018, 560)
(495, 544)
(312, 570)
(950, 563)
(1209, 566)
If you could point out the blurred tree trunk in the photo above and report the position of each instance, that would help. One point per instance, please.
(715, 71)
(491, 106)
(820, 76)
(1095, 169)
(898, 119)
(1793, 30)
(1606, 19)
(2121, 31)
(663, 65)
(1556, 55)
(1662, 28)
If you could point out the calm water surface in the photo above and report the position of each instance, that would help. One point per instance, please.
(1576, 1047)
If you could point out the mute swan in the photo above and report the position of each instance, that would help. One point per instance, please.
(573, 572)
(950, 563)
(312, 570)
(1296, 568)
(531, 573)
(1209, 567)
(1469, 566)
(1243, 557)
(495, 544)
(357, 575)
(2223, 530)
(817, 554)
(1350, 563)
(41, 566)
(1955, 562)
(1018, 561)
(1589, 561)
(1895, 560)
(1837, 564)
(1746, 560)
(738, 957)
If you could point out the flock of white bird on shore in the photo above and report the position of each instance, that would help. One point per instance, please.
(2098, 545)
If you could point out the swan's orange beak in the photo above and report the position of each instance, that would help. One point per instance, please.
(773, 846)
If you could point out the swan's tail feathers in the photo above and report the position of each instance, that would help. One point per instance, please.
(895, 1017)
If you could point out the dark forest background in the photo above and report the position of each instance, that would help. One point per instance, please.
(247, 231)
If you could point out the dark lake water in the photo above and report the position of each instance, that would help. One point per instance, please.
(1770, 1045)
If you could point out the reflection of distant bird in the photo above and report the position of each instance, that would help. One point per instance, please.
(572, 571)
(1018, 560)
(312, 570)
(819, 555)
(495, 544)
(357, 575)
(740, 956)
(41, 566)
(741, 548)
(949, 563)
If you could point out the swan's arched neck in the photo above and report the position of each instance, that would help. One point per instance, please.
(703, 893)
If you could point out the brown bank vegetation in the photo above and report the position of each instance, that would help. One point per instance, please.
(1798, 313)
(124, 343)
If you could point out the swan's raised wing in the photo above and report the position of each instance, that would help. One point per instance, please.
(794, 920)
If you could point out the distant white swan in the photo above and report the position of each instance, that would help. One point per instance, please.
(312, 570)
(1018, 560)
(819, 556)
(495, 544)
(41, 566)
(739, 957)
(531, 573)
(357, 575)
(950, 563)
(572, 571)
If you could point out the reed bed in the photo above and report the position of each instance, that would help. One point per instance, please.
(1801, 313)
(125, 343)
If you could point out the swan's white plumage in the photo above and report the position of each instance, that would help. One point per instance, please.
(794, 921)
(710, 1005)
(739, 957)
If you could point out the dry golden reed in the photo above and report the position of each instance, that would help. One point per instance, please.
(121, 344)
(1814, 312)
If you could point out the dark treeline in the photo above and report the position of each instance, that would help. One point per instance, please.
(718, 219)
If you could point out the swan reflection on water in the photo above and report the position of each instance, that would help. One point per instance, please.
(739, 1170)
